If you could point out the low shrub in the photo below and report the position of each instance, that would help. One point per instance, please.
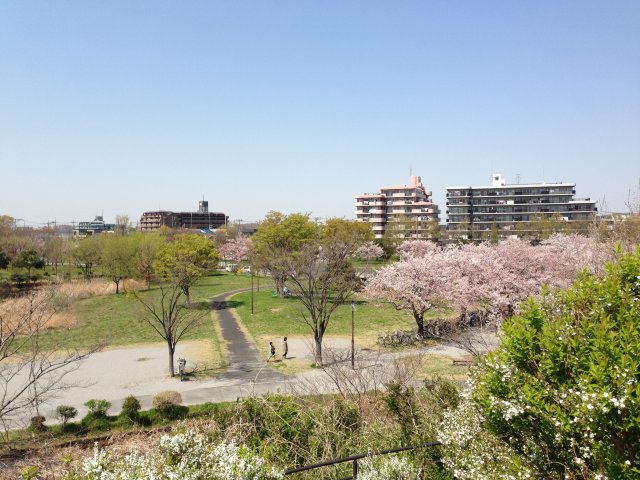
(131, 408)
(65, 412)
(37, 423)
(167, 399)
(98, 408)
(100, 423)
(167, 403)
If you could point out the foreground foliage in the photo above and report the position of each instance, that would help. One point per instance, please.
(559, 398)
(188, 456)
(289, 432)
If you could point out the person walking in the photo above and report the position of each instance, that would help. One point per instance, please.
(272, 351)
(285, 348)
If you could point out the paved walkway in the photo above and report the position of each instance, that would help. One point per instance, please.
(244, 361)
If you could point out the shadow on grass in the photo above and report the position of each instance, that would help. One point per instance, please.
(226, 304)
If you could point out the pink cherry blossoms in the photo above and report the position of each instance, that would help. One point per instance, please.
(369, 251)
(493, 278)
(235, 250)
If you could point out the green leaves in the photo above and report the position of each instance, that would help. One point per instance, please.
(185, 260)
(563, 388)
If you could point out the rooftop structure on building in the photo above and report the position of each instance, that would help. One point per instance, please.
(409, 207)
(513, 209)
(87, 229)
(203, 219)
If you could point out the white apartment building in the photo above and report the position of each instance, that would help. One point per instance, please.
(410, 205)
(474, 211)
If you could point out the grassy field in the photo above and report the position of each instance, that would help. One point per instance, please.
(117, 319)
(278, 317)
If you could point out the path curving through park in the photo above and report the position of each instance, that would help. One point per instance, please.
(243, 359)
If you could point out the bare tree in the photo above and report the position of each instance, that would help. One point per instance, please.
(170, 318)
(29, 374)
(122, 224)
(633, 200)
(322, 280)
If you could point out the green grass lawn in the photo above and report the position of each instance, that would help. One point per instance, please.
(217, 283)
(278, 317)
(117, 319)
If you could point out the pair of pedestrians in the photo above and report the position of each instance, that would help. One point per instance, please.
(272, 350)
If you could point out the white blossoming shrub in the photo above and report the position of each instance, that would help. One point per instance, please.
(185, 456)
(474, 453)
(559, 398)
(386, 468)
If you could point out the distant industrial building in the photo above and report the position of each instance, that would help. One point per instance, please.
(87, 229)
(512, 209)
(409, 206)
(203, 219)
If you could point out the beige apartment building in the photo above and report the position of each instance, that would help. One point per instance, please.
(407, 207)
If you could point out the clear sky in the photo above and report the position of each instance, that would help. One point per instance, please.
(126, 106)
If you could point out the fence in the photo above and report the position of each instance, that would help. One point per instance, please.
(355, 458)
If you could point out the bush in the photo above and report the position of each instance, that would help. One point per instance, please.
(37, 423)
(559, 398)
(131, 408)
(98, 408)
(97, 424)
(167, 403)
(65, 412)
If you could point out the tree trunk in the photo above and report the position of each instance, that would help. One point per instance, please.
(318, 341)
(187, 297)
(420, 322)
(117, 282)
(171, 352)
(463, 315)
(279, 281)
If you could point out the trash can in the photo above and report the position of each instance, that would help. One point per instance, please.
(181, 365)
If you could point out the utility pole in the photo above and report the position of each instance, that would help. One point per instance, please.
(353, 343)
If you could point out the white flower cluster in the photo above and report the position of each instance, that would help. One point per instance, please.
(185, 456)
(471, 453)
(386, 468)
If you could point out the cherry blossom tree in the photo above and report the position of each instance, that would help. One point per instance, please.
(236, 250)
(499, 277)
(494, 278)
(577, 253)
(415, 249)
(369, 251)
(418, 285)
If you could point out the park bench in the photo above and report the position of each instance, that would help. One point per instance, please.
(462, 363)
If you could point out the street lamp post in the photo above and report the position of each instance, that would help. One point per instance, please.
(353, 343)
(251, 291)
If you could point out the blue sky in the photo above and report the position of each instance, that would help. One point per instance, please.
(121, 107)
